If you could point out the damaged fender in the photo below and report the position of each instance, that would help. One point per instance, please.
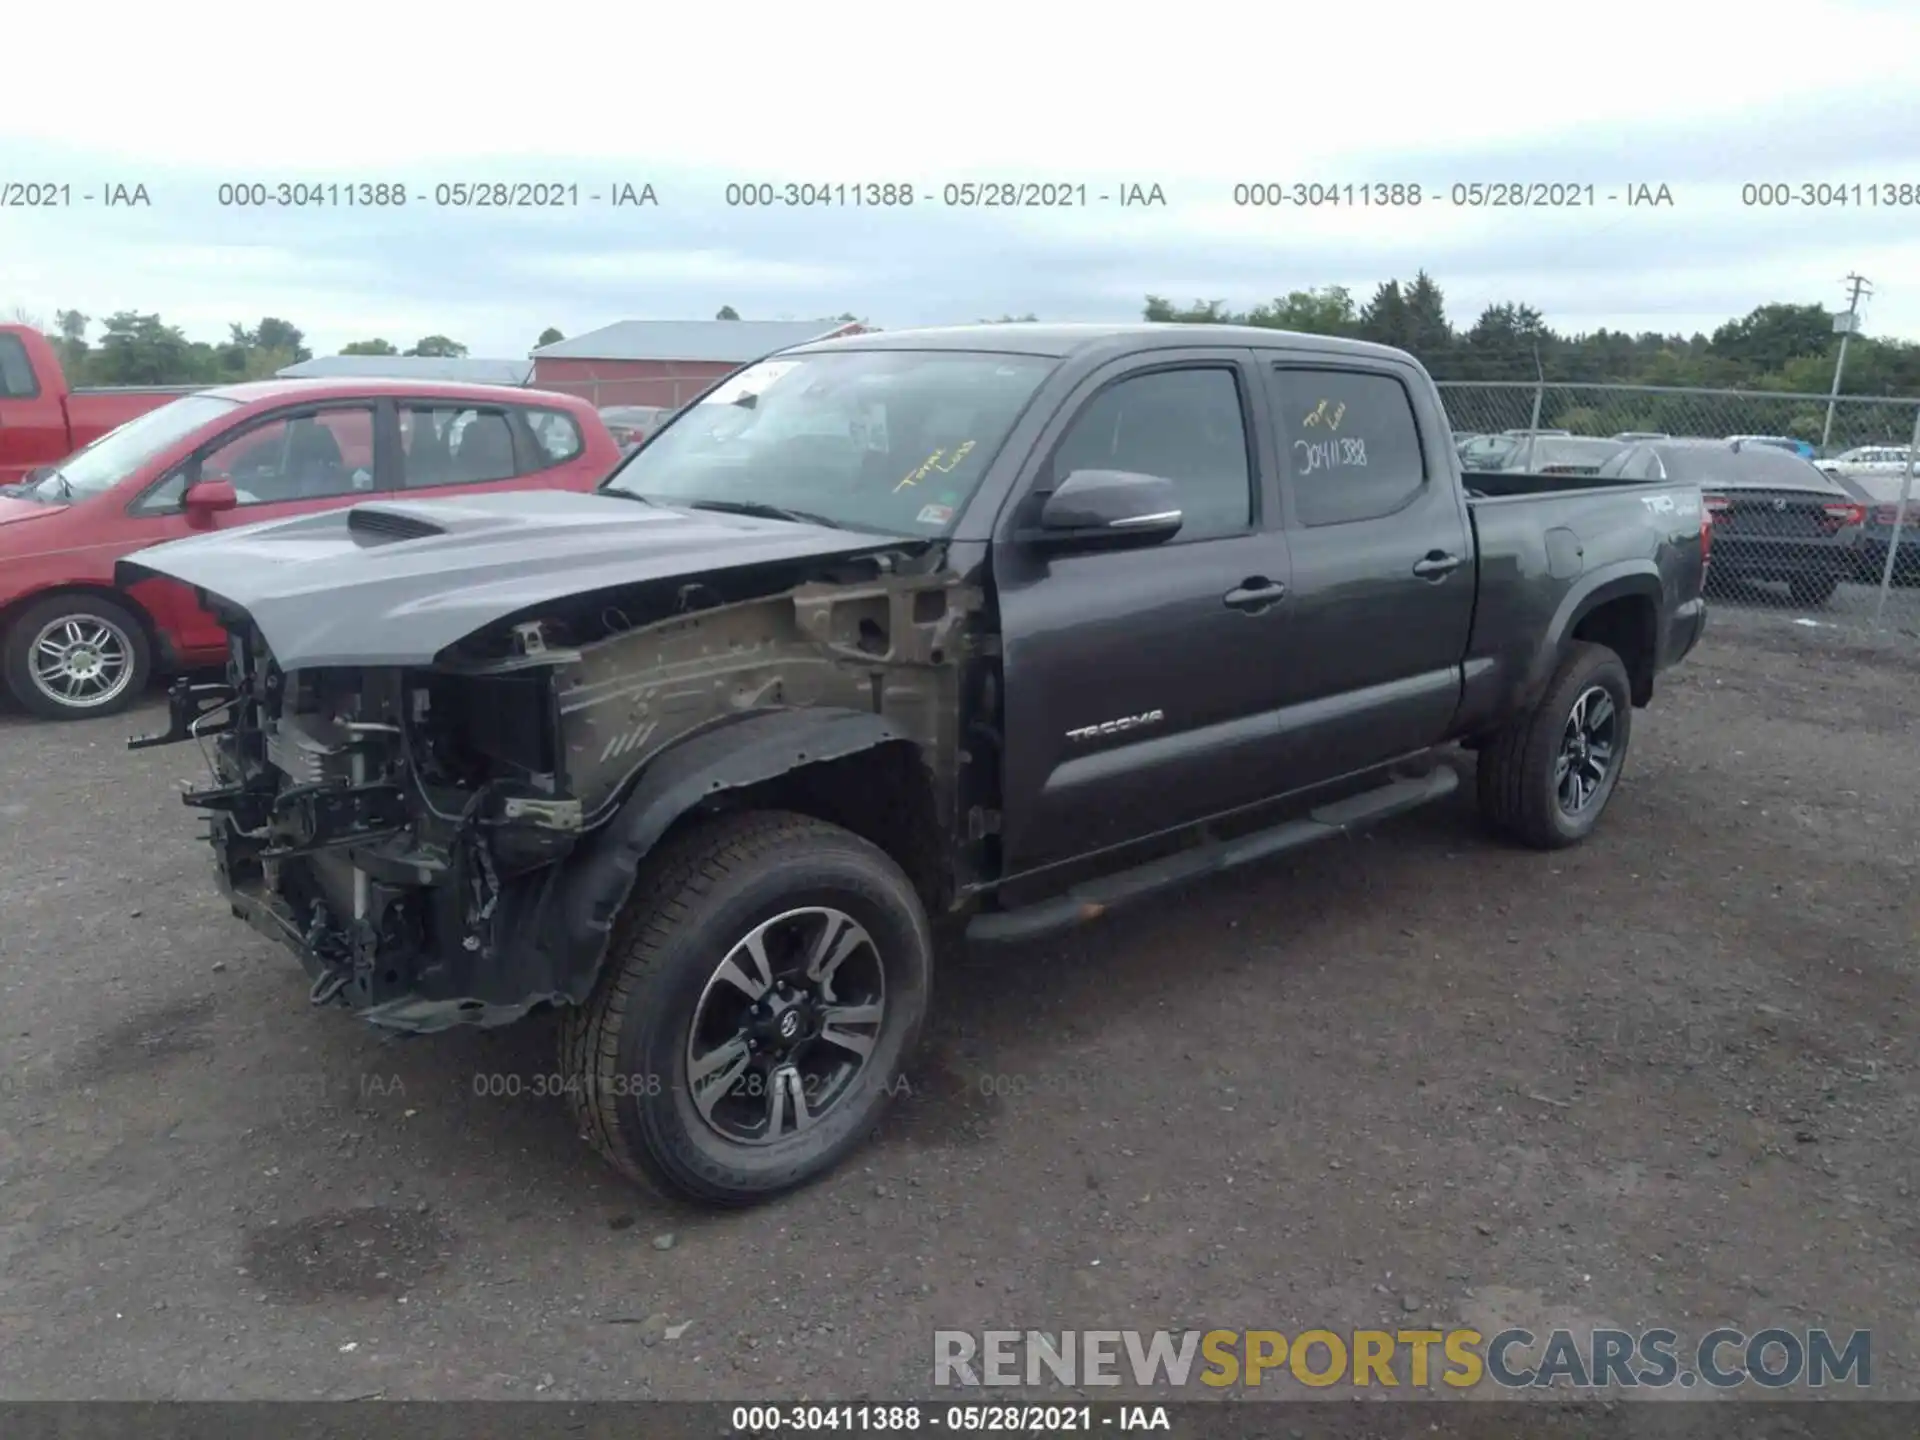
(566, 927)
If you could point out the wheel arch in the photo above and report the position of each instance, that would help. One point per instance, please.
(11, 611)
(1619, 607)
(786, 759)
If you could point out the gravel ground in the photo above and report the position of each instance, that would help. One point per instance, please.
(1666, 1078)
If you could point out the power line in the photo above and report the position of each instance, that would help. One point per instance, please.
(1859, 285)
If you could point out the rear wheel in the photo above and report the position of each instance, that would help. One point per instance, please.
(70, 657)
(1813, 589)
(765, 984)
(1547, 777)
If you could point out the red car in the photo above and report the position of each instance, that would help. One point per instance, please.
(71, 645)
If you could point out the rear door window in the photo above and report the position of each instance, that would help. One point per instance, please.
(17, 380)
(453, 444)
(1350, 444)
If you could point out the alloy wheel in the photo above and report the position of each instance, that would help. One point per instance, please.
(1588, 750)
(80, 661)
(785, 1025)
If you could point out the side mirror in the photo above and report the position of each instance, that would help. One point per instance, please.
(208, 498)
(1108, 509)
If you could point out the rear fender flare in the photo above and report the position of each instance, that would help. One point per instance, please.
(1589, 593)
(566, 925)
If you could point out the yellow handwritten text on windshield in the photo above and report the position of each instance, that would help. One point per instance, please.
(938, 463)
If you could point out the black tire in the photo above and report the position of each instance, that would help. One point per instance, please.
(1518, 786)
(1813, 590)
(626, 1052)
(98, 615)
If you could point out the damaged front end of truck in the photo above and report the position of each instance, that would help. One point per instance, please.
(443, 829)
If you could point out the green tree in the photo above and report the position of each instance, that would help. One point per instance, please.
(1325, 311)
(370, 347)
(137, 349)
(1386, 320)
(1768, 337)
(727, 312)
(439, 347)
(1198, 312)
(1429, 336)
(262, 364)
(1779, 347)
(70, 343)
(270, 334)
(549, 336)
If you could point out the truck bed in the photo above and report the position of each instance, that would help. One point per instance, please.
(1504, 484)
(1546, 543)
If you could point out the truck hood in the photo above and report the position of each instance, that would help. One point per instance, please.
(397, 582)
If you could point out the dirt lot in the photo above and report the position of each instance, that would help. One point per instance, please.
(1668, 1078)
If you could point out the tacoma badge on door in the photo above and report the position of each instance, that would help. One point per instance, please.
(1115, 727)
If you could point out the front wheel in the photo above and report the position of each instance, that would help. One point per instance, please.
(1545, 779)
(765, 984)
(71, 657)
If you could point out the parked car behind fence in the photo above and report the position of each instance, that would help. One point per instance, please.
(1776, 518)
(1558, 455)
(1891, 502)
(632, 425)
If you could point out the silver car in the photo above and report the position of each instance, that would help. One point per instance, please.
(1864, 460)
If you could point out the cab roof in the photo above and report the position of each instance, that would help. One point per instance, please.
(1063, 341)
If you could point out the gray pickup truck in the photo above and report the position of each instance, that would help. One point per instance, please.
(990, 628)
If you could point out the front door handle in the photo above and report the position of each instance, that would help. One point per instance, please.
(1255, 593)
(1437, 565)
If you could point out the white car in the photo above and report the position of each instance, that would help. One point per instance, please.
(1864, 460)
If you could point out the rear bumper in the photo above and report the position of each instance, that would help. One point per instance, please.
(1684, 629)
(1767, 559)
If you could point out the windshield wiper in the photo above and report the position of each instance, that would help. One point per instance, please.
(761, 511)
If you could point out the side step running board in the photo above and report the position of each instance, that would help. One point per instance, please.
(1096, 897)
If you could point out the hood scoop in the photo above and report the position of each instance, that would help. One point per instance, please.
(375, 525)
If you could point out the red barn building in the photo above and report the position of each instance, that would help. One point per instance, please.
(667, 362)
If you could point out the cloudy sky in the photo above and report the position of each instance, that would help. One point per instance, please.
(1702, 98)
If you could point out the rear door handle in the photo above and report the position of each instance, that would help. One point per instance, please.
(1436, 565)
(1255, 593)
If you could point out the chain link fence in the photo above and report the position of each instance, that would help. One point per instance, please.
(1843, 550)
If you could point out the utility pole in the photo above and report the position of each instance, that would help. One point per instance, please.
(1859, 285)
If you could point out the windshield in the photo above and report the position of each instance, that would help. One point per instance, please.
(118, 453)
(893, 442)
